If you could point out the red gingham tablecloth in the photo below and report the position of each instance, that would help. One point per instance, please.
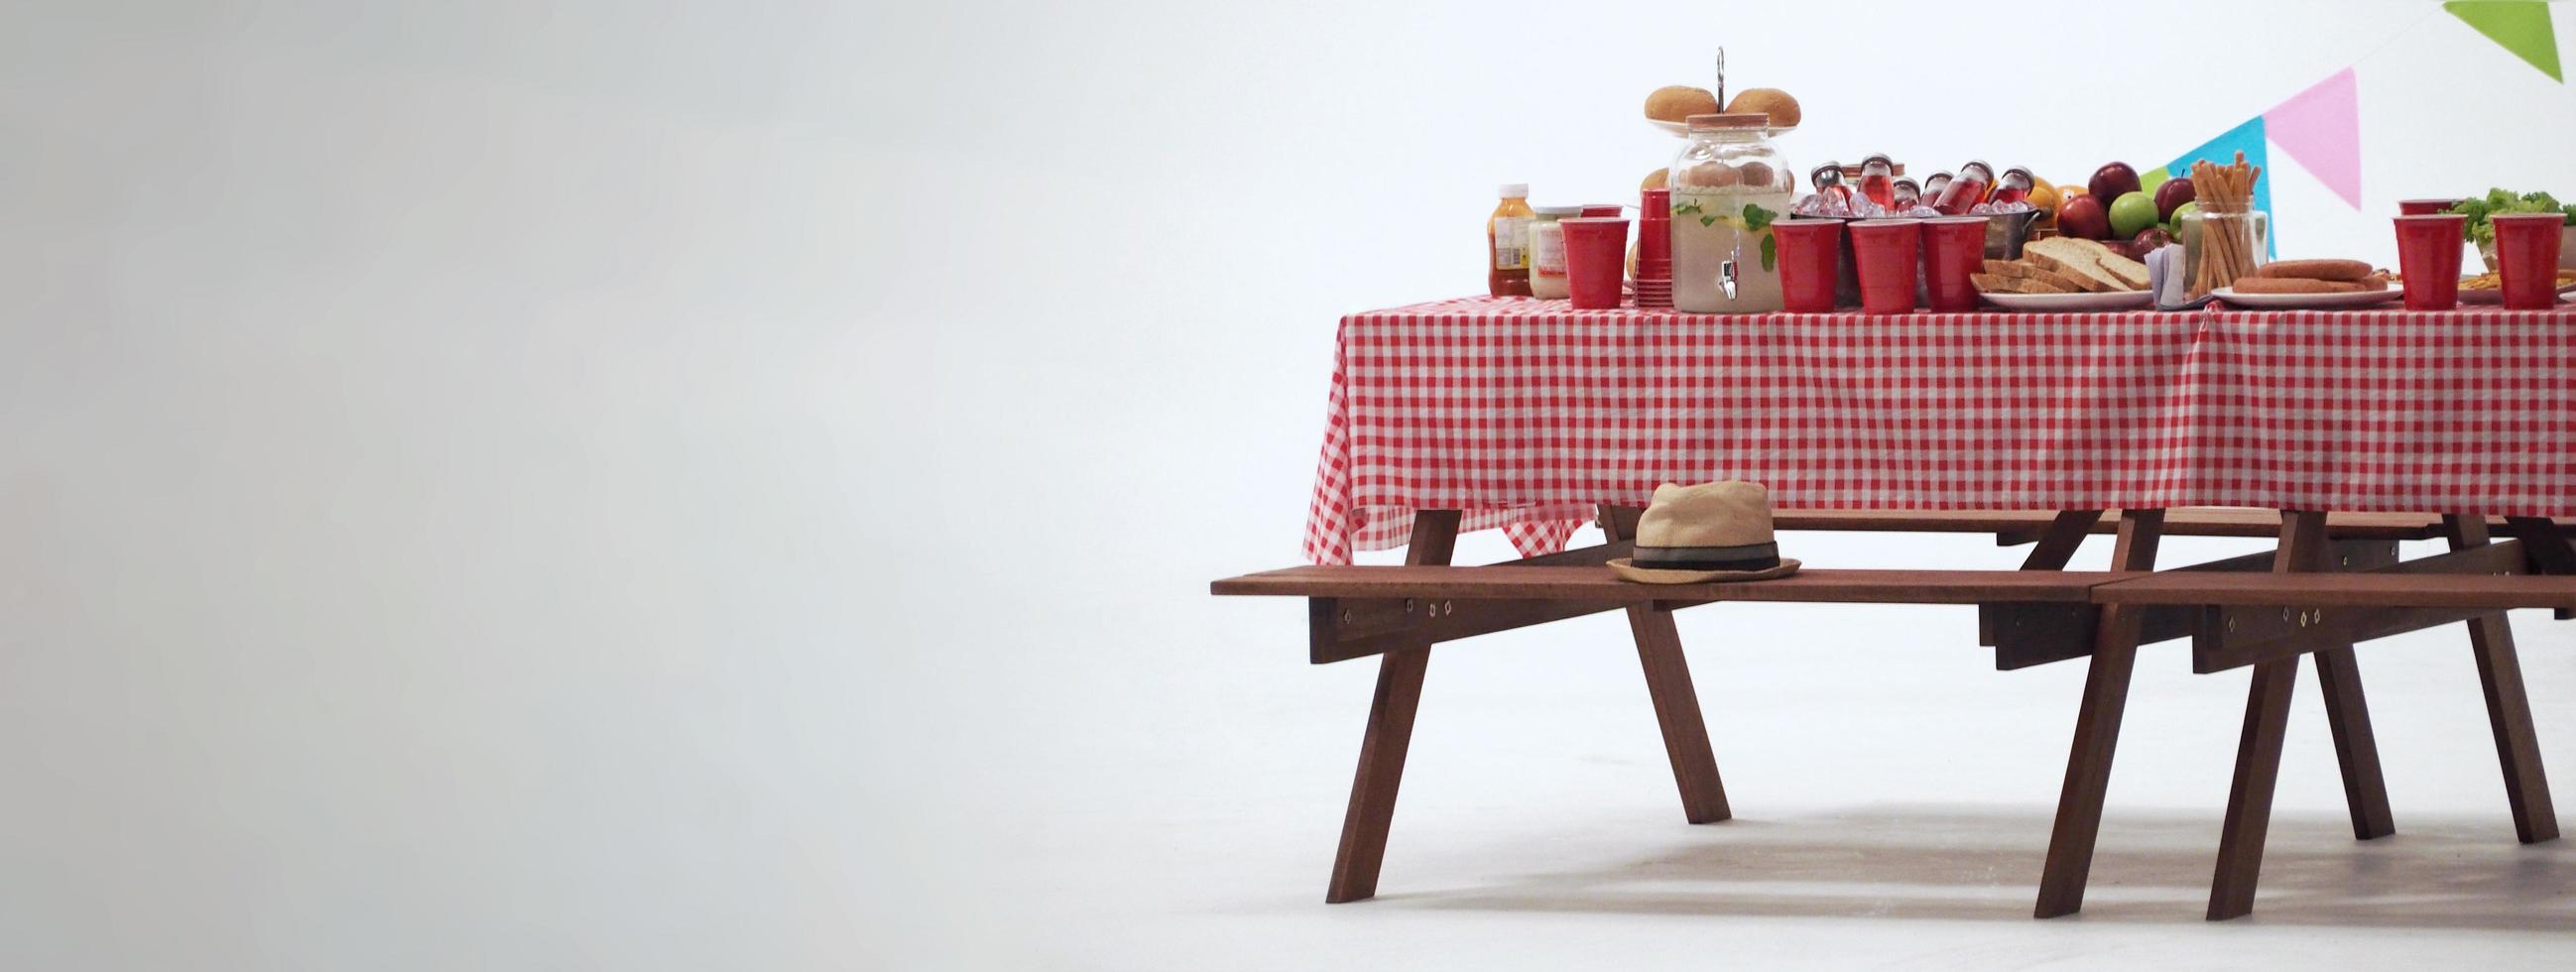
(1527, 414)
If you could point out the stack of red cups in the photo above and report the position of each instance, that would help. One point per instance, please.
(1654, 274)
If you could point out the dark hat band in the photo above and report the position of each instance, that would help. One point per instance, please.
(1751, 556)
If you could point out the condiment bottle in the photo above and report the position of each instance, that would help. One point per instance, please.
(1878, 180)
(1507, 243)
(2012, 187)
(1727, 185)
(1547, 252)
(1965, 191)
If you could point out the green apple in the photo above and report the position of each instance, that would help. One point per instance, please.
(2132, 212)
(2150, 179)
(2181, 211)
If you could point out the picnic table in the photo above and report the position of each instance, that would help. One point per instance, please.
(2339, 433)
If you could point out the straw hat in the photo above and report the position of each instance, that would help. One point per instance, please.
(1709, 532)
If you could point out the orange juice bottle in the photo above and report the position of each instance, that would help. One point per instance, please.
(1507, 256)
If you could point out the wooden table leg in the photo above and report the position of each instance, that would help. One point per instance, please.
(1390, 732)
(2526, 784)
(2249, 798)
(2258, 749)
(2097, 728)
(1668, 683)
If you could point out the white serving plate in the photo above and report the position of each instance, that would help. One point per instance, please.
(2073, 303)
(1682, 129)
(2357, 298)
(2495, 295)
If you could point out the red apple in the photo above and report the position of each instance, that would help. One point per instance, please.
(2082, 215)
(2112, 181)
(2172, 195)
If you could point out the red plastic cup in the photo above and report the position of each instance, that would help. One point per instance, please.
(2526, 246)
(1885, 251)
(2423, 207)
(1953, 248)
(1655, 226)
(1596, 257)
(1807, 249)
(1602, 209)
(2428, 256)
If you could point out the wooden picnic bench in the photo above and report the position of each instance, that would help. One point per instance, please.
(2330, 582)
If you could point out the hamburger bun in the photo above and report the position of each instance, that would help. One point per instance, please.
(1676, 103)
(1769, 101)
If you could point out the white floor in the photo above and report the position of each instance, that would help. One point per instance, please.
(1892, 805)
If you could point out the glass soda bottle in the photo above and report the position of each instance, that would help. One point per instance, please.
(1828, 180)
(1965, 190)
(1878, 180)
(2011, 187)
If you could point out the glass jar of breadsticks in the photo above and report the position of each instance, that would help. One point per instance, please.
(2224, 237)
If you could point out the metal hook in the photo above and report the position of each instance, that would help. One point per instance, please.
(1721, 79)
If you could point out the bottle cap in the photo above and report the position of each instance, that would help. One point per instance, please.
(1515, 190)
(1557, 210)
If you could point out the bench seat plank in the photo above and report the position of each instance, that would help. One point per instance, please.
(2342, 590)
(1600, 585)
(2192, 522)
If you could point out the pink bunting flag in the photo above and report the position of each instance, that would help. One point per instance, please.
(2321, 127)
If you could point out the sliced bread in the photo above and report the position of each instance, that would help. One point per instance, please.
(2129, 272)
(2048, 281)
(2089, 264)
(1988, 283)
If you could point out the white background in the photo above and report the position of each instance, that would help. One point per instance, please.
(676, 486)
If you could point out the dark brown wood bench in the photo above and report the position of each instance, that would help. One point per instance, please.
(2249, 610)
(2035, 615)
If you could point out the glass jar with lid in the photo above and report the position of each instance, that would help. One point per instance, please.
(1547, 252)
(1728, 184)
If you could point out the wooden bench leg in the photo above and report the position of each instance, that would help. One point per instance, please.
(1390, 733)
(2097, 728)
(2526, 784)
(1668, 683)
(2258, 748)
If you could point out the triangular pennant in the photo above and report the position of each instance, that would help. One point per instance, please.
(2321, 127)
(2246, 138)
(2520, 26)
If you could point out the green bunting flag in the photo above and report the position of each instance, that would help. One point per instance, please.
(2521, 26)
